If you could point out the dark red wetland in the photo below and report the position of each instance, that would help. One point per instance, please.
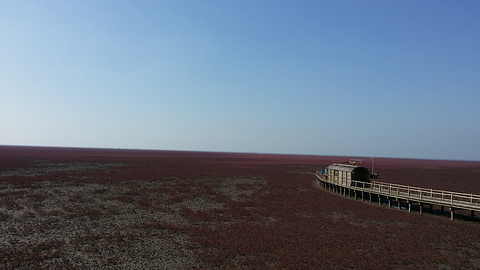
(67, 208)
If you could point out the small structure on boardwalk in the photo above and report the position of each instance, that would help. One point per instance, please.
(343, 174)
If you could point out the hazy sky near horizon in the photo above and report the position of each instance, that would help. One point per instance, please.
(357, 78)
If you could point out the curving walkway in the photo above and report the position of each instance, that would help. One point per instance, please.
(408, 195)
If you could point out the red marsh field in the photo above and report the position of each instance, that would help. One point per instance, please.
(66, 208)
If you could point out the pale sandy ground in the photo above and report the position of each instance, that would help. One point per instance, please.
(124, 225)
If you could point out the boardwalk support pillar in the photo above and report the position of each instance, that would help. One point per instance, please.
(451, 213)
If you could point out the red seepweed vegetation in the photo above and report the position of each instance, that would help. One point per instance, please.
(102, 208)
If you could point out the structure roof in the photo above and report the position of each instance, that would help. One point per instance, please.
(342, 167)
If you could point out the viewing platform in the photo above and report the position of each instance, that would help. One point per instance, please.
(401, 195)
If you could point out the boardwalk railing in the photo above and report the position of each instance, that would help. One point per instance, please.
(454, 200)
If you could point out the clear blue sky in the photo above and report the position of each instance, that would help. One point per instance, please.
(361, 78)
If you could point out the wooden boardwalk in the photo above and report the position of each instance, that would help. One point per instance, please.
(401, 194)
